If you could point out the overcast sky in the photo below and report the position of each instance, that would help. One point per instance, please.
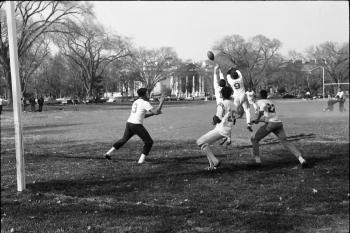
(192, 28)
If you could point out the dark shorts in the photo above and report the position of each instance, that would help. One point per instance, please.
(270, 127)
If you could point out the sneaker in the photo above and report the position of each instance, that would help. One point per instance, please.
(249, 127)
(107, 156)
(209, 168)
(217, 165)
(142, 159)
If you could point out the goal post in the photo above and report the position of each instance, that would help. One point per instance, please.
(16, 95)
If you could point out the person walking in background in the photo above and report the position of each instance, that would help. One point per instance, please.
(41, 103)
(340, 97)
(32, 103)
(141, 108)
(1, 103)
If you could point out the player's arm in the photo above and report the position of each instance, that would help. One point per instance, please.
(217, 118)
(157, 110)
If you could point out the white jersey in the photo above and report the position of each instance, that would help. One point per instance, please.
(226, 111)
(237, 84)
(250, 96)
(269, 110)
(138, 111)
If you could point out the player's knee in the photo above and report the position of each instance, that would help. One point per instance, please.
(149, 142)
(203, 146)
(199, 142)
(254, 140)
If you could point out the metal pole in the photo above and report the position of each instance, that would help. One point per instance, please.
(16, 95)
(323, 81)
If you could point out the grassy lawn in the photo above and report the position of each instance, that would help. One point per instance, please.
(71, 188)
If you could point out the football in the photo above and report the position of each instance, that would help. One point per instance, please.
(210, 55)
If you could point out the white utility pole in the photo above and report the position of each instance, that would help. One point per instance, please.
(16, 95)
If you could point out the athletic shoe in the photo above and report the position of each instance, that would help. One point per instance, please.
(249, 127)
(211, 168)
(217, 165)
(107, 156)
(304, 165)
(142, 158)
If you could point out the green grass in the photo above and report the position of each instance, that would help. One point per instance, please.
(70, 188)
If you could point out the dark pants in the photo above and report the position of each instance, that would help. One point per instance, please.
(0, 109)
(40, 107)
(341, 105)
(139, 130)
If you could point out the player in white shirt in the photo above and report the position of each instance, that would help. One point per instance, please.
(341, 98)
(140, 109)
(235, 79)
(272, 124)
(227, 112)
(251, 97)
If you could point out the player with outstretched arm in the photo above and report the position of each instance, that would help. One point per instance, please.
(272, 124)
(227, 118)
(235, 79)
(141, 108)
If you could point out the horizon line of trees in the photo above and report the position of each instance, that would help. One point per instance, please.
(91, 60)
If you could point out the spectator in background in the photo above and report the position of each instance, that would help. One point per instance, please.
(308, 95)
(23, 104)
(1, 103)
(41, 103)
(341, 99)
(32, 103)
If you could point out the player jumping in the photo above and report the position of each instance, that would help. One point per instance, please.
(235, 79)
(267, 114)
(140, 109)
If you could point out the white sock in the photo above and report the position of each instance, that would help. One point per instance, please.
(110, 150)
(257, 159)
(301, 159)
(142, 158)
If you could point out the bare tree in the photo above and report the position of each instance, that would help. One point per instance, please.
(252, 56)
(155, 65)
(91, 49)
(333, 57)
(35, 19)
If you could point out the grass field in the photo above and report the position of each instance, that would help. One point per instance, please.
(70, 188)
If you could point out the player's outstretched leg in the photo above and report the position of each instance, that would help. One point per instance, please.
(127, 135)
(204, 143)
(246, 108)
(262, 132)
(147, 140)
(280, 133)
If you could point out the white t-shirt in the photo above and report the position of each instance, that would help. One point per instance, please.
(227, 112)
(237, 84)
(138, 111)
(340, 94)
(269, 110)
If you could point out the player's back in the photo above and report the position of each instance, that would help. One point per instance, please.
(269, 110)
(229, 110)
(237, 84)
